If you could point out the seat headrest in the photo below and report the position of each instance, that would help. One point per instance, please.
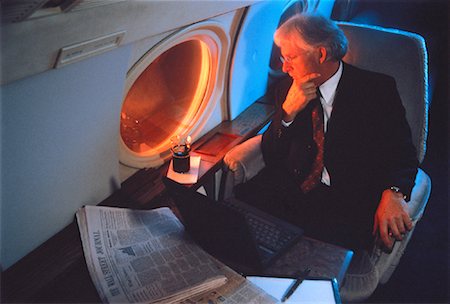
(402, 55)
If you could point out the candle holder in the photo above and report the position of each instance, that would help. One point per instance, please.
(180, 147)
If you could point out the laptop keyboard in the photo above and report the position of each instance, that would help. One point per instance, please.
(270, 238)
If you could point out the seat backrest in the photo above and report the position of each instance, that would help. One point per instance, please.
(402, 55)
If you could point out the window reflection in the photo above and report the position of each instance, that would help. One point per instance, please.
(166, 97)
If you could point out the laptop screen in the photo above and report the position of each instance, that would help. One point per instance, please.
(220, 230)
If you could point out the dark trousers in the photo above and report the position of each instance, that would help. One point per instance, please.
(324, 213)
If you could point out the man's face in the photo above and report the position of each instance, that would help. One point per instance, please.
(300, 59)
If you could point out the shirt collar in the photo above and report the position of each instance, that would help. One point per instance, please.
(328, 88)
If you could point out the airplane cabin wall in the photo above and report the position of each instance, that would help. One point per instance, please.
(58, 154)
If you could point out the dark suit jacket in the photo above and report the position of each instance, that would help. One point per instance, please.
(368, 145)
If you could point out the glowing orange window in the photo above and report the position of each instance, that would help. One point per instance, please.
(166, 98)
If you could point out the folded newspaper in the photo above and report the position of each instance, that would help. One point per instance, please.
(145, 256)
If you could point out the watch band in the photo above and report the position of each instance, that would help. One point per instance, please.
(397, 190)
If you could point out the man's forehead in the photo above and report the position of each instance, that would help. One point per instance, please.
(293, 44)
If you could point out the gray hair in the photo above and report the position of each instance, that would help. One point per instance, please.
(315, 30)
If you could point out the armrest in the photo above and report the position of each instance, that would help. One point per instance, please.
(242, 163)
(245, 160)
(419, 195)
(379, 267)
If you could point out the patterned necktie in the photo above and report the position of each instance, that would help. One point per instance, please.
(314, 177)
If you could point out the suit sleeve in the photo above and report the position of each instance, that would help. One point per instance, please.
(400, 163)
(276, 139)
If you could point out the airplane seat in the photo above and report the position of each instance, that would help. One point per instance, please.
(402, 55)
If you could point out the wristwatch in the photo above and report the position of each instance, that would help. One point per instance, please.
(397, 190)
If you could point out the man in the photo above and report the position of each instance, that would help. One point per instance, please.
(340, 160)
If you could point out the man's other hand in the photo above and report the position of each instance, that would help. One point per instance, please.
(391, 218)
(300, 93)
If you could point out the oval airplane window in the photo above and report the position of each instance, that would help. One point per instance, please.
(166, 97)
(174, 88)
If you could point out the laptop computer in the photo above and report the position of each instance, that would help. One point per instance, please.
(238, 234)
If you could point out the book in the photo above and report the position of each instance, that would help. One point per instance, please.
(136, 256)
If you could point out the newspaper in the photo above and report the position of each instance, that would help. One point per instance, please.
(145, 256)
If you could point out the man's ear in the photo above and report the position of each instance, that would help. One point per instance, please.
(323, 54)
